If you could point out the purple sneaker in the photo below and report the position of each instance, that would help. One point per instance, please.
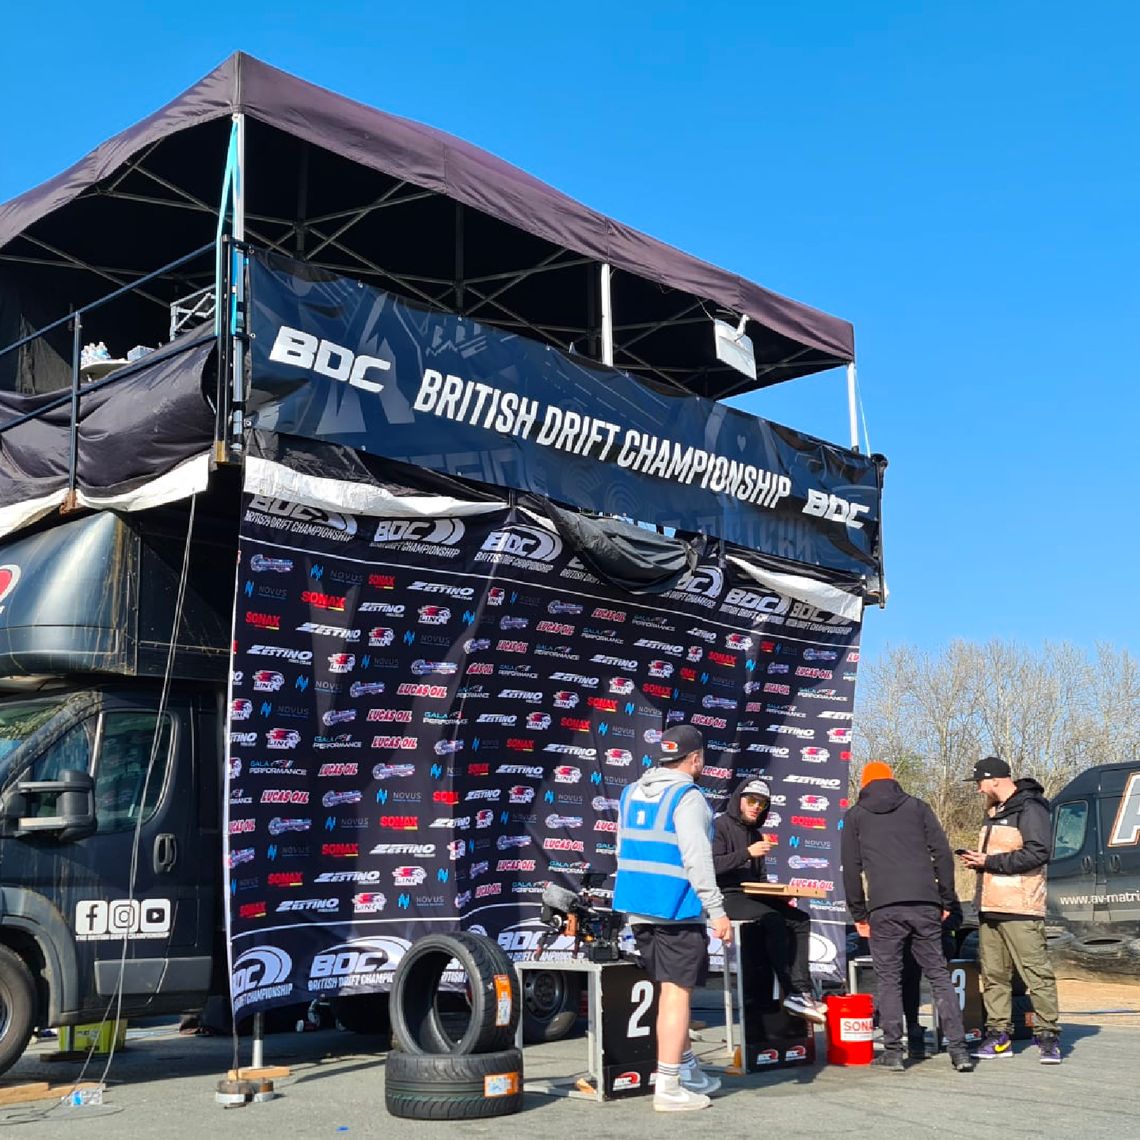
(1050, 1046)
(994, 1046)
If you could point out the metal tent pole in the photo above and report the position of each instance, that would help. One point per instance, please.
(852, 417)
(257, 1057)
(607, 316)
(237, 291)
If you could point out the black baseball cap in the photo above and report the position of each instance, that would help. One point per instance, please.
(757, 788)
(678, 742)
(992, 767)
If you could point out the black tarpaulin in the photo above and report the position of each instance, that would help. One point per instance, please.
(135, 427)
(399, 184)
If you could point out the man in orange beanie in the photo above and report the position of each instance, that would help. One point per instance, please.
(895, 841)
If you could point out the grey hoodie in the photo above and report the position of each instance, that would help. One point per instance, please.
(693, 819)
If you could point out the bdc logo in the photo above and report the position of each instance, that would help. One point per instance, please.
(122, 918)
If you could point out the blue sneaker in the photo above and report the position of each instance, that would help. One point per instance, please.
(994, 1046)
(1050, 1046)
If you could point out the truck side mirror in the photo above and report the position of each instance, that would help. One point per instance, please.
(74, 808)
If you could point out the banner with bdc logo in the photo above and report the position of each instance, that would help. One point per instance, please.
(432, 718)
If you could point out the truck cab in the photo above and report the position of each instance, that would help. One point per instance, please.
(1094, 872)
(110, 793)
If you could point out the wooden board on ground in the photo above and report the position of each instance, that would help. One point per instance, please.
(263, 1072)
(40, 1090)
(784, 891)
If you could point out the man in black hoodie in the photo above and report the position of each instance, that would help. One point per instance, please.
(1011, 861)
(739, 848)
(895, 841)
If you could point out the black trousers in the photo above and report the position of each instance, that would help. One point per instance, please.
(912, 979)
(786, 932)
(920, 925)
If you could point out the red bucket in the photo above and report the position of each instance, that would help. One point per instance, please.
(850, 1029)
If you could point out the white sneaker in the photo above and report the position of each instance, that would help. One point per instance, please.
(698, 1081)
(679, 1099)
(805, 1006)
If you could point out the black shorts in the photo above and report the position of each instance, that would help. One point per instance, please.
(677, 953)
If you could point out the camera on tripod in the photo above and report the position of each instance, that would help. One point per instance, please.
(596, 931)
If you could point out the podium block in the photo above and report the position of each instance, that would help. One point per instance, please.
(771, 1038)
(621, 1038)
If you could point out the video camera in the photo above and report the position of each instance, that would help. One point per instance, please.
(595, 930)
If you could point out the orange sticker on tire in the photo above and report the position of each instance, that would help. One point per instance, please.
(502, 1000)
(500, 1084)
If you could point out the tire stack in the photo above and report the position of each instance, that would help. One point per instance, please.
(435, 1074)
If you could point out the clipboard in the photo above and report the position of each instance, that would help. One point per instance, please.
(782, 890)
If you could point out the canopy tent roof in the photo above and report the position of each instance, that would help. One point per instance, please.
(379, 197)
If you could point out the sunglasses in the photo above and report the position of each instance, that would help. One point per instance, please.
(753, 801)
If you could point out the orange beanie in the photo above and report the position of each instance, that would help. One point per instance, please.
(875, 770)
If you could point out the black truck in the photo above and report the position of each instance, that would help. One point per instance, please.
(1094, 873)
(89, 689)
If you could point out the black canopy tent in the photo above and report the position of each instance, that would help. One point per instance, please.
(405, 206)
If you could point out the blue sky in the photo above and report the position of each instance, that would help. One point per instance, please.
(958, 180)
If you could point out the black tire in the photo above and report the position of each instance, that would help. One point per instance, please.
(551, 1001)
(420, 1086)
(1058, 941)
(365, 1013)
(1101, 948)
(415, 1009)
(17, 1008)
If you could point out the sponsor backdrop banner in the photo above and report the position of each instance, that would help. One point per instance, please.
(337, 361)
(433, 718)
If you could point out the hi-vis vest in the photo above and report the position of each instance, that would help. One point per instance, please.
(651, 877)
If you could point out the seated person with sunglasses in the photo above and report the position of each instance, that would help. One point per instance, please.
(738, 849)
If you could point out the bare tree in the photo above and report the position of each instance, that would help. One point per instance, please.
(1050, 713)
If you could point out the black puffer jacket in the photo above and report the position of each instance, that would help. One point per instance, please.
(731, 840)
(896, 841)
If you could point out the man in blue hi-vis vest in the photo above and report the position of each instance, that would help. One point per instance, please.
(666, 885)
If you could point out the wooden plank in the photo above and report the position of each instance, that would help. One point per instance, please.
(783, 890)
(265, 1072)
(40, 1090)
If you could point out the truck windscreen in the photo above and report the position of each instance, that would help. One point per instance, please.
(22, 720)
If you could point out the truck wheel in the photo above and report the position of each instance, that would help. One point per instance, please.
(365, 1013)
(421, 1086)
(17, 1008)
(493, 993)
(551, 1001)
